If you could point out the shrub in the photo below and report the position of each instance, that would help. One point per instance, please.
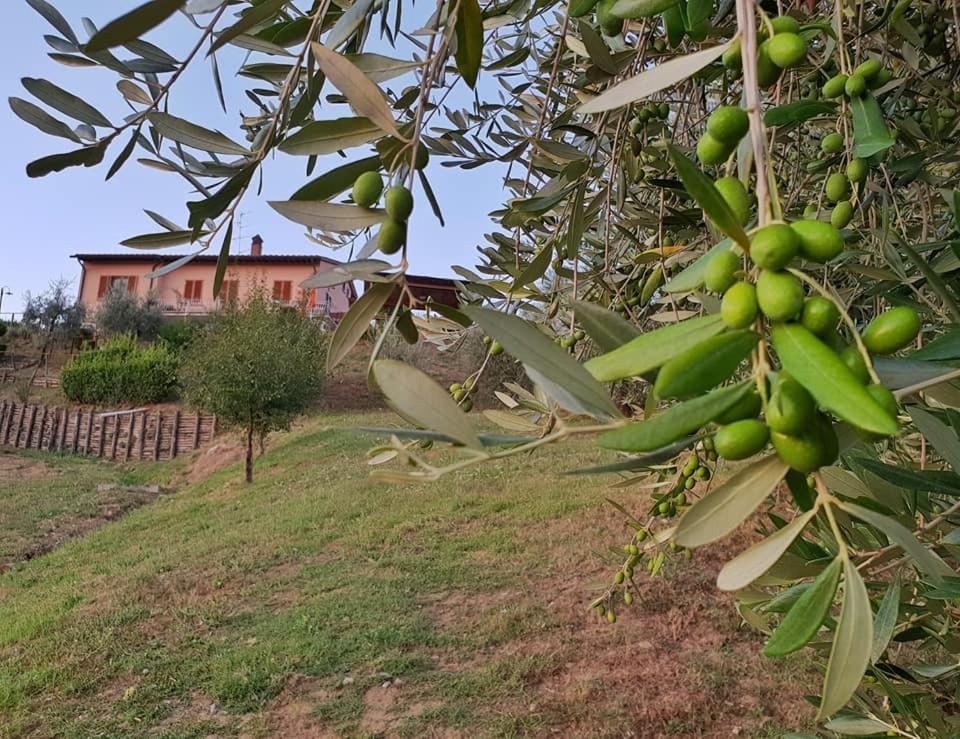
(121, 371)
(177, 335)
(257, 367)
(121, 312)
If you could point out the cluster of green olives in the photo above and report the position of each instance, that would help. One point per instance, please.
(571, 340)
(784, 49)
(398, 202)
(801, 433)
(650, 112)
(461, 392)
(867, 76)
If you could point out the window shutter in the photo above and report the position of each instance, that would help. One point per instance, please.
(197, 289)
(286, 291)
(131, 285)
(102, 287)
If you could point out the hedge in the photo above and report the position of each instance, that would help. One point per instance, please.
(121, 371)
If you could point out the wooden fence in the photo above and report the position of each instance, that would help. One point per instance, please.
(119, 435)
(39, 381)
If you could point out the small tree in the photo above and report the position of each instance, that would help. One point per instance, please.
(54, 314)
(258, 366)
(121, 312)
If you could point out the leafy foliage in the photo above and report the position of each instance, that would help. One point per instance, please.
(121, 371)
(257, 366)
(54, 314)
(848, 124)
(122, 312)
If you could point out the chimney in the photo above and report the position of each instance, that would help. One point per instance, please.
(256, 246)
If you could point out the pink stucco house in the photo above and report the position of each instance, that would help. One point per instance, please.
(188, 290)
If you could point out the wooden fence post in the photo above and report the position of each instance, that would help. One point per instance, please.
(116, 437)
(63, 430)
(76, 430)
(156, 437)
(141, 435)
(43, 422)
(29, 435)
(100, 436)
(196, 433)
(3, 420)
(176, 433)
(87, 440)
(54, 428)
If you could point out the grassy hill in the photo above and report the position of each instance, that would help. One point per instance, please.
(316, 602)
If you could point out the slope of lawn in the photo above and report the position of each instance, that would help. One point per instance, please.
(316, 602)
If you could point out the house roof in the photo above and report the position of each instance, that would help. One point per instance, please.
(205, 258)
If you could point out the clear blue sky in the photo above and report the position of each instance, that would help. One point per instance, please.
(48, 219)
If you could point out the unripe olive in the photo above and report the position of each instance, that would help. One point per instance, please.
(767, 72)
(837, 187)
(819, 241)
(702, 473)
(627, 597)
(620, 577)
(891, 331)
(779, 295)
(820, 315)
(785, 24)
(392, 236)
(868, 69)
(855, 86)
(791, 408)
(732, 58)
(367, 188)
(663, 111)
(735, 195)
(496, 348)
(741, 439)
(854, 360)
(721, 271)
(610, 24)
(739, 305)
(787, 50)
(832, 143)
(579, 334)
(747, 407)
(690, 483)
(728, 124)
(459, 395)
(611, 616)
(466, 406)
(487, 340)
(885, 399)
(711, 151)
(833, 87)
(773, 246)
(398, 203)
(455, 386)
(842, 214)
(810, 451)
(857, 170)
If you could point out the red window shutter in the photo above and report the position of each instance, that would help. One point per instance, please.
(188, 290)
(197, 289)
(131, 284)
(102, 287)
(277, 289)
(286, 291)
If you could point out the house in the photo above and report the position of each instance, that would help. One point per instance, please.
(188, 290)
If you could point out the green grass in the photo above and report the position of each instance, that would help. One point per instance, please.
(229, 593)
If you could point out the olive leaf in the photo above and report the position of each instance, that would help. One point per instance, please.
(806, 615)
(365, 97)
(66, 102)
(325, 137)
(190, 134)
(752, 563)
(562, 377)
(693, 276)
(943, 438)
(39, 118)
(469, 32)
(726, 507)
(677, 421)
(160, 240)
(885, 621)
(356, 321)
(415, 396)
(608, 330)
(134, 24)
(328, 216)
(832, 384)
(709, 198)
(253, 17)
(852, 644)
(653, 349)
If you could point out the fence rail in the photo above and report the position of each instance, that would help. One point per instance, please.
(39, 381)
(123, 435)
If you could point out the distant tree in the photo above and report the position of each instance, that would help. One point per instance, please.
(122, 312)
(54, 314)
(258, 366)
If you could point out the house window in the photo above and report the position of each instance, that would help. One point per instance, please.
(282, 290)
(229, 291)
(124, 283)
(193, 290)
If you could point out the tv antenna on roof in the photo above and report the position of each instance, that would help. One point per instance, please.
(238, 229)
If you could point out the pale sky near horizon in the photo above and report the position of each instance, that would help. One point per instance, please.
(49, 219)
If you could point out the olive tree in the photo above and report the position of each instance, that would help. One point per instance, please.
(740, 218)
(257, 366)
(122, 312)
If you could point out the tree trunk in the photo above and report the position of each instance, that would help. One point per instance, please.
(249, 466)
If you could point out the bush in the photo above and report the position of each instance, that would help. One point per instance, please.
(177, 335)
(121, 312)
(121, 371)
